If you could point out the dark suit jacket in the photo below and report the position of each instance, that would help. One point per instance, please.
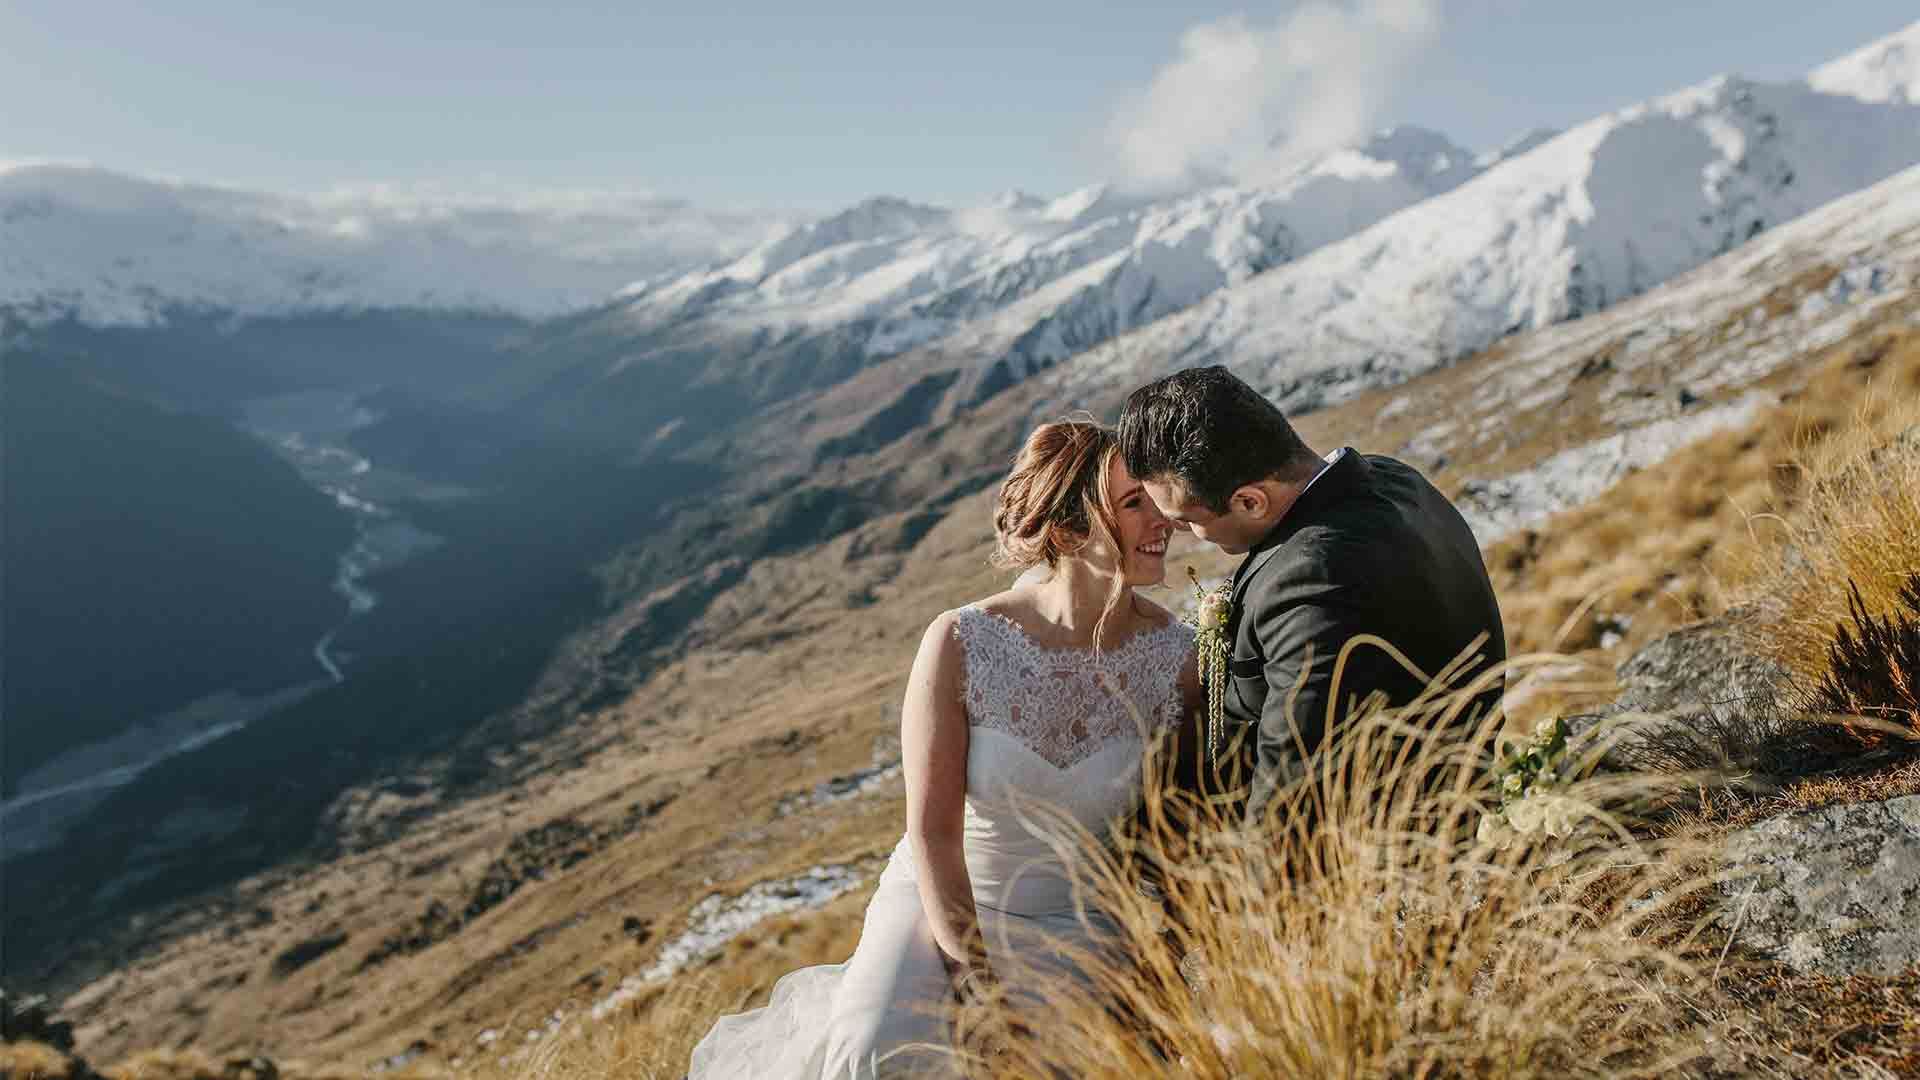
(1371, 548)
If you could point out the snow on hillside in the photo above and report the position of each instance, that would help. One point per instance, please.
(1584, 220)
(1887, 71)
(1042, 280)
(1703, 331)
(112, 249)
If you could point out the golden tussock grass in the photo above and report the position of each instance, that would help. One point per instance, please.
(1851, 523)
(29, 1060)
(1728, 514)
(1365, 930)
(650, 1039)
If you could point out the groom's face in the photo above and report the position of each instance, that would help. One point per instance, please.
(1234, 532)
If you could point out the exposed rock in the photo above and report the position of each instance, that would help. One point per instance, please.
(1834, 891)
(1900, 446)
(250, 1068)
(414, 1052)
(1703, 665)
(1696, 698)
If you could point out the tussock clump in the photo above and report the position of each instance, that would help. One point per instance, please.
(1736, 512)
(1846, 540)
(1873, 668)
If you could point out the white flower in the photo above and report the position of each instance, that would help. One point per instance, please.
(1494, 831)
(1511, 785)
(1543, 731)
(1551, 814)
(1526, 815)
(1557, 816)
(1214, 608)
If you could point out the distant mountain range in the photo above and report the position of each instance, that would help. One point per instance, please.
(106, 249)
(1354, 269)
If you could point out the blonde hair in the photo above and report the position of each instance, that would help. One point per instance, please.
(1054, 502)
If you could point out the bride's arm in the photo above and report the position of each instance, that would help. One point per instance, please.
(933, 748)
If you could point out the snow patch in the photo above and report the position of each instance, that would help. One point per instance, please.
(1887, 71)
(1497, 508)
(719, 919)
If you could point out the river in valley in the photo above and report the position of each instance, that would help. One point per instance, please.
(311, 430)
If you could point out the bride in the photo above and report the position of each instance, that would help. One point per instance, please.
(1042, 696)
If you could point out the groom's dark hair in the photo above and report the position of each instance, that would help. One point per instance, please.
(1211, 432)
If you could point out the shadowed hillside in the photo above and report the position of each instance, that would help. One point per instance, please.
(152, 557)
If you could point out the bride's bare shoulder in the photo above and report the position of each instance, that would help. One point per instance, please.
(1010, 603)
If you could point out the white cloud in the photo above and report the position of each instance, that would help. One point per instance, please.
(1316, 77)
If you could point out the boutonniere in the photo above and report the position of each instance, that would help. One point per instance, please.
(1213, 611)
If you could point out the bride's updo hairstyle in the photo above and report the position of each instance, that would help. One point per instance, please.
(1054, 502)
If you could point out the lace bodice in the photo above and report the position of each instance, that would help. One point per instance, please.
(1066, 704)
(1053, 733)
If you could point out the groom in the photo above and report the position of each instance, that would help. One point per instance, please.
(1335, 546)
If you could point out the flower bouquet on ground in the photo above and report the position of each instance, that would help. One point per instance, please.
(1530, 779)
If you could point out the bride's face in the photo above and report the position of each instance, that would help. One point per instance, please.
(1140, 529)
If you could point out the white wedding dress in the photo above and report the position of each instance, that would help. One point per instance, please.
(1051, 733)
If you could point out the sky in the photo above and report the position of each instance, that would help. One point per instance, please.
(797, 106)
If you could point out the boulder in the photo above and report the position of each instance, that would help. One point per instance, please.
(1834, 891)
(1695, 698)
(1704, 665)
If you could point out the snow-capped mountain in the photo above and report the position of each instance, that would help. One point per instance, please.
(110, 249)
(1600, 213)
(1035, 281)
(1887, 71)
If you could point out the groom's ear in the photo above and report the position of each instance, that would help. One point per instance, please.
(1250, 500)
